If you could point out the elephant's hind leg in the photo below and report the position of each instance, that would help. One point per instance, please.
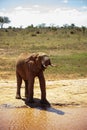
(19, 82)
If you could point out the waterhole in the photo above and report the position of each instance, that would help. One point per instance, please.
(33, 117)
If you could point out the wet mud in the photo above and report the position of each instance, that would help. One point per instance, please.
(36, 116)
(43, 119)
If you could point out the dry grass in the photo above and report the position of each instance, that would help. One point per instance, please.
(68, 51)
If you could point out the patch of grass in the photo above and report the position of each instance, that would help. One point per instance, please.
(69, 64)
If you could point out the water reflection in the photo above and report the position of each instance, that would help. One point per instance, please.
(42, 118)
(31, 116)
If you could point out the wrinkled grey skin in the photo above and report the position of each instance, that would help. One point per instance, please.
(28, 67)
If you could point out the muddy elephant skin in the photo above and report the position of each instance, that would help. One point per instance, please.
(29, 66)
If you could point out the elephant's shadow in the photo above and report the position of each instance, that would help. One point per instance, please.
(46, 107)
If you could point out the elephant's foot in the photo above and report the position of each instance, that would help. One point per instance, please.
(18, 96)
(44, 101)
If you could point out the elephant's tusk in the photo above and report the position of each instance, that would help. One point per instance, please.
(53, 65)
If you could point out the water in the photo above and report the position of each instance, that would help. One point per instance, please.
(28, 119)
(42, 118)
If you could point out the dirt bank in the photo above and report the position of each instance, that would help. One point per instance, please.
(62, 92)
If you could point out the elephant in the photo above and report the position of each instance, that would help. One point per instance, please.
(29, 66)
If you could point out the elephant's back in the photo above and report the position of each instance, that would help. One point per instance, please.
(22, 58)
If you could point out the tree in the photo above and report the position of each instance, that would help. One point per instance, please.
(4, 20)
(66, 26)
(1, 21)
(43, 25)
(72, 25)
(83, 29)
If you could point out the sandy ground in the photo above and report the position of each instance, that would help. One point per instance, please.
(62, 92)
(68, 110)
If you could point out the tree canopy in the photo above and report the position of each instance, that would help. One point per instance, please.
(4, 20)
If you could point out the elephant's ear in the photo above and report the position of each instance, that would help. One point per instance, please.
(31, 57)
(30, 65)
(34, 62)
(38, 61)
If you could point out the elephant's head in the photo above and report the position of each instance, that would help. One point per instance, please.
(44, 60)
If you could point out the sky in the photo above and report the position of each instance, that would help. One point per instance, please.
(23, 13)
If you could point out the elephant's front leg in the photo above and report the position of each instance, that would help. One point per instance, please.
(43, 89)
(30, 89)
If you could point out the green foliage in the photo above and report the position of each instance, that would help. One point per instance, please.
(4, 20)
